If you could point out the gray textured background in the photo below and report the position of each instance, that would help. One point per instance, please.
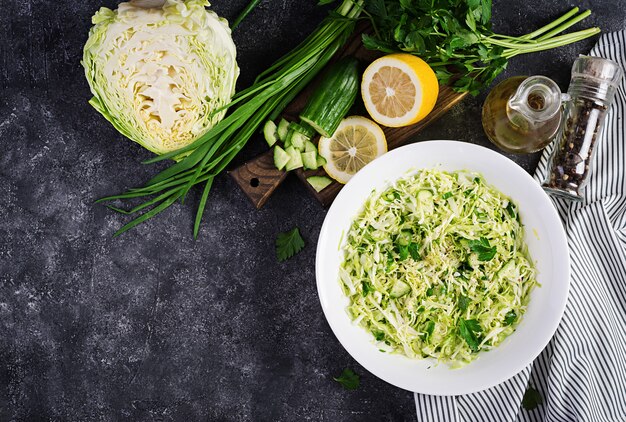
(154, 325)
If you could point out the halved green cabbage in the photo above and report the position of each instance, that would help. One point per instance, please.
(158, 74)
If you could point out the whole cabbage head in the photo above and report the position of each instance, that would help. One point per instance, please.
(157, 74)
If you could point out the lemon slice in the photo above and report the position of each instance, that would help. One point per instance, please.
(356, 142)
(399, 89)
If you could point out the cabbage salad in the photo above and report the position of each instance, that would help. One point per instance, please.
(436, 266)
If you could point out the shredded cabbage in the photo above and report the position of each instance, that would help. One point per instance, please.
(158, 74)
(436, 266)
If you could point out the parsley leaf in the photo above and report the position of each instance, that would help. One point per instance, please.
(414, 251)
(348, 379)
(403, 252)
(463, 302)
(510, 318)
(288, 244)
(468, 330)
(532, 399)
(367, 287)
(482, 248)
(428, 330)
(378, 335)
(511, 210)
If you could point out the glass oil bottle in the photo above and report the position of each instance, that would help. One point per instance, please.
(522, 114)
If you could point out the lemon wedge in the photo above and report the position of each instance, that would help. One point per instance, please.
(399, 89)
(356, 142)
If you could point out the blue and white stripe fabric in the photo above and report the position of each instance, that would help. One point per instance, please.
(581, 375)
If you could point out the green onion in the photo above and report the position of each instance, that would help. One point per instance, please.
(244, 13)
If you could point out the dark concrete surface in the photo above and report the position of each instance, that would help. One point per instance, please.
(154, 325)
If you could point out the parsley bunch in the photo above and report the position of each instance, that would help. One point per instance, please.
(455, 38)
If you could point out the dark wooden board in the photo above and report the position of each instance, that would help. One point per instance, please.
(258, 178)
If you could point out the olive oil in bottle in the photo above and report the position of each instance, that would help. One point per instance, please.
(522, 114)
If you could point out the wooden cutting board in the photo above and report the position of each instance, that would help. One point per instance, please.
(259, 178)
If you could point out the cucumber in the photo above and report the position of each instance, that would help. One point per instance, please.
(425, 200)
(303, 128)
(473, 261)
(282, 129)
(319, 183)
(287, 140)
(281, 158)
(399, 289)
(404, 238)
(321, 161)
(295, 161)
(269, 132)
(309, 160)
(333, 98)
(298, 140)
(424, 195)
(310, 146)
(307, 129)
(506, 270)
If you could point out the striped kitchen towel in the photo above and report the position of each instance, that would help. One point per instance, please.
(581, 374)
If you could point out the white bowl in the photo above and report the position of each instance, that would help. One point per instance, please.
(546, 243)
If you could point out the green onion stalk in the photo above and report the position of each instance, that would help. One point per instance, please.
(265, 99)
(544, 38)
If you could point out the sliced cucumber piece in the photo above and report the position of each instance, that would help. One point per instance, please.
(425, 200)
(473, 261)
(319, 183)
(424, 195)
(281, 158)
(309, 160)
(399, 289)
(289, 135)
(404, 238)
(295, 160)
(269, 132)
(308, 129)
(287, 140)
(321, 161)
(282, 129)
(310, 146)
(507, 270)
(303, 128)
(298, 140)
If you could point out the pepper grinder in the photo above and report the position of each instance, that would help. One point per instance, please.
(592, 89)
